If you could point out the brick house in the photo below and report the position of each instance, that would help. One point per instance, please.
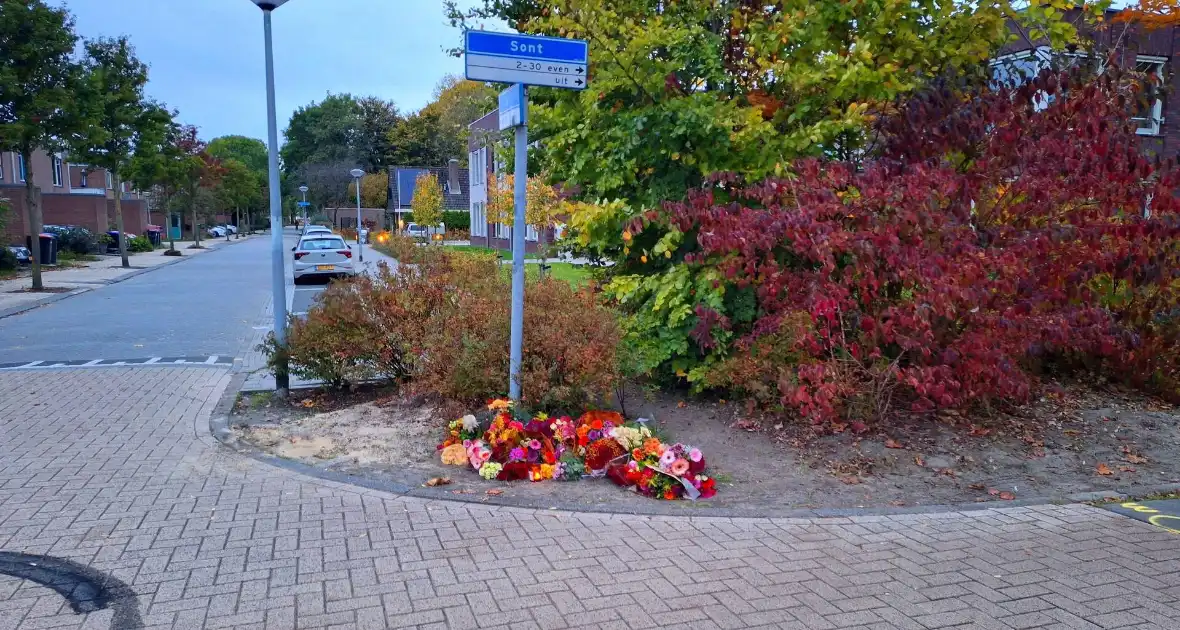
(71, 194)
(1150, 52)
(481, 141)
(401, 188)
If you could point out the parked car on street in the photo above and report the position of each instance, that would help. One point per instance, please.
(215, 231)
(320, 255)
(413, 230)
(316, 229)
(232, 229)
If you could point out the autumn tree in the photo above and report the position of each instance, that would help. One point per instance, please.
(374, 190)
(159, 167)
(197, 173)
(438, 132)
(39, 99)
(427, 203)
(118, 116)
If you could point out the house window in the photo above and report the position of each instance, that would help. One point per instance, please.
(57, 180)
(109, 184)
(20, 162)
(1150, 114)
(84, 176)
(530, 233)
(1, 167)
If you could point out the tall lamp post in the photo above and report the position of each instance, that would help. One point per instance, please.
(278, 275)
(303, 189)
(357, 174)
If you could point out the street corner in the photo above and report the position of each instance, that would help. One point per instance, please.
(1162, 513)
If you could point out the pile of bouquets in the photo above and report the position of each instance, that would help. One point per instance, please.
(511, 444)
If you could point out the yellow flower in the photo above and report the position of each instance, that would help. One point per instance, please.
(454, 455)
(627, 235)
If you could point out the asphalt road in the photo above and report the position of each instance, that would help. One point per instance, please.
(204, 306)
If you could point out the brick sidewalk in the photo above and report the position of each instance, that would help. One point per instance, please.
(114, 469)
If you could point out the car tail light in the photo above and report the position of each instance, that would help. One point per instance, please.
(299, 255)
(347, 252)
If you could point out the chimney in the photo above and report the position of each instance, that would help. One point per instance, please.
(453, 177)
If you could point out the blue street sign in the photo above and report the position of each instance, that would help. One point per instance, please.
(513, 111)
(526, 59)
(302, 204)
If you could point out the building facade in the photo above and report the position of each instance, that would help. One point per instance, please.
(483, 135)
(453, 180)
(1131, 47)
(71, 194)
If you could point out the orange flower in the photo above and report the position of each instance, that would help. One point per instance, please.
(500, 403)
(669, 494)
(652, 446)
(637, 454)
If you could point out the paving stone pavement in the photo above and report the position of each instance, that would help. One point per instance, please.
(114, 469)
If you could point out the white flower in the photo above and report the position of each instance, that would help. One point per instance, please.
(470, 423)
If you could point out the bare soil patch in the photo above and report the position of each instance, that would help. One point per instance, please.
(1078, 439)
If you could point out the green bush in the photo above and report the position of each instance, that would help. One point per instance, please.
(78, 240)
(140, 244)
(7, 259)
(457, 220)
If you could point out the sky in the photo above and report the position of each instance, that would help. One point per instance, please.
(206, 56)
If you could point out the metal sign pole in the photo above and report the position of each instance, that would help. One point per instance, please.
(518, 231)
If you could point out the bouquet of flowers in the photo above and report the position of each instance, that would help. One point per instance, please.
(665, 471)
(517, 446)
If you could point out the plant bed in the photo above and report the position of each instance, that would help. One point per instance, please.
(1082, 434)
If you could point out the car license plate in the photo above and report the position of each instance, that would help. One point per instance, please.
(325, 267)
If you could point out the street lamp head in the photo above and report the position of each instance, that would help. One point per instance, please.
(269, 5)
(303, 189)
(356, 172)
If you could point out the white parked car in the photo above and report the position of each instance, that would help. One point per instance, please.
(320, 255)
(215, 231)
(316, 229)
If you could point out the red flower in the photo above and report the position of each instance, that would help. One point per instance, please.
(708, 488)
(696, 468)
(514, 471)
(600, 452)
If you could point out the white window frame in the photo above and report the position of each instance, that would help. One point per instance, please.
(531, 234)
(1, 166)
(20, 171)
(57, 166)
(110, 184)
(83, 177)
(1157, 109)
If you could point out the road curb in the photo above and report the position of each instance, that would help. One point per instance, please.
(24, 308)
(50, 299)
(221, 423)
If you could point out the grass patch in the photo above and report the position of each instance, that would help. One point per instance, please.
(575, 275)
(484, 250)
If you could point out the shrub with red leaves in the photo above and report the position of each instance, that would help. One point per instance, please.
(999, 235)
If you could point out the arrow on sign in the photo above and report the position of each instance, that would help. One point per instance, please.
(579, 70)
(577, 82)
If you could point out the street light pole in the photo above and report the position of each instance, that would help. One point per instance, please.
(358, 174)
(278, 275)
(303, 189)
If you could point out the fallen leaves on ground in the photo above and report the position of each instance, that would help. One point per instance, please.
(1072, 432)
(437, 481)
(495, 492)
(1007, 496)
(1132, 456)
(892, 443)
(307, 402)
(1103, 469)
(897, 503)
(746, 425)
(976, 486)
(859, 427)
(979, 431)
(850, 480)
(919, 461)
(1126, 469)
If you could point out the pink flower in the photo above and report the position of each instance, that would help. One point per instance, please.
(535, 445)
(679, 467)
(667, 459)
(695, 455)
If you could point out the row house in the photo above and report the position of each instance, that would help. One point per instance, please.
(71, 194)
(483, 135)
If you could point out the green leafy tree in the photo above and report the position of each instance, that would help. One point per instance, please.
(237, 188)
(371, 144)
(38, 91)
(322, 132)
(119, 116)
(680, 90)
(438, 132)
(251, 152)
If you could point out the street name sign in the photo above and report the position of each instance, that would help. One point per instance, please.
(526, 59)
(513, 112)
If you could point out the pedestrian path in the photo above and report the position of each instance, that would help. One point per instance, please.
(64, 282)
(111, 475)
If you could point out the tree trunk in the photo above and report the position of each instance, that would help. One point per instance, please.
(33, 213)
(196, 230)
(119, 217)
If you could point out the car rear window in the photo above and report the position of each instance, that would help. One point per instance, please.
(316, 244)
